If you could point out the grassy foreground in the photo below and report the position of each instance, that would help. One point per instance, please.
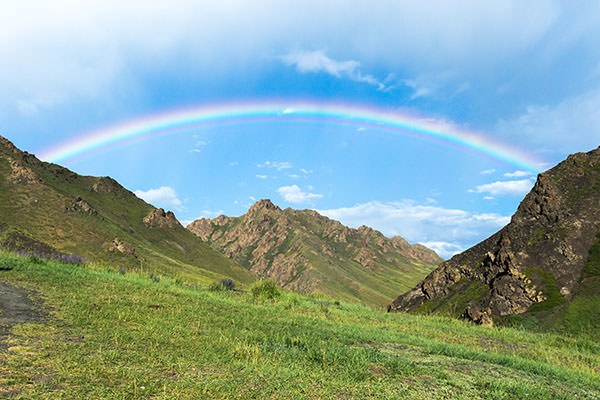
(113, 336)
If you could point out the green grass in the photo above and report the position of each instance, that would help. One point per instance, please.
(112, 336)
(456, 301)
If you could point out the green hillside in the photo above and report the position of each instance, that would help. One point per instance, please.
(86, 333)
(90, 216)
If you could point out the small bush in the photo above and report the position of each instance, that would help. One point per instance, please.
(266, 289)
(6, 265)
(222, 285)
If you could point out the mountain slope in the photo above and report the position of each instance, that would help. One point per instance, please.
(543, 268)
(47, 207)
(307, 252)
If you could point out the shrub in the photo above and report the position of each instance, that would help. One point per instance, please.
(222, 285)
(266, 289)
(6, 265)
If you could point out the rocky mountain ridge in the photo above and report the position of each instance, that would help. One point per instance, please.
(306, 251)
(537, 265)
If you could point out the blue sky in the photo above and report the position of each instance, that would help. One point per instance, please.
(524, 74)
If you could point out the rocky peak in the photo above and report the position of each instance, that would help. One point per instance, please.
(264, 204)
(7, 147)
(158, 218)
(301, 248)
(542, 250)
(201, 227)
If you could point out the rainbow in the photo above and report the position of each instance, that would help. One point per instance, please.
(186, 120)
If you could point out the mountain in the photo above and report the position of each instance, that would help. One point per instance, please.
(47, 208)
(542, 269)
(307, 252)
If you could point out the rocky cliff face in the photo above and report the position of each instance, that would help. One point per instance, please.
(306, 251)
(535, 263)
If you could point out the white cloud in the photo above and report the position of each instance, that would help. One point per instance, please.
(422, 223)
(488, 172)
(317, 61)
(488, 197)
(517, 174)
(306, 171)
(164, 197)
(294, 194)
(72, 48)
(234, 164)
(26, 107)
(515, 188)
(294, 176)
(262, 176)
(278, 165)
(198, 146)
(444, 249)
(570, 126)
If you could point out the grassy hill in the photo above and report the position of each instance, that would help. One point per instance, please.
(47, 207)
(103, 335)
(310, 253)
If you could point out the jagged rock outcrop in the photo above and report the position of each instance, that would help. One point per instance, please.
(158, 218)
(540, 254)
(106, 184)
(80, 205)
(306, 251)
(117, 245)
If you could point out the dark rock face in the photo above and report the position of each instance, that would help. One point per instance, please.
(158, 218)
(547, 241)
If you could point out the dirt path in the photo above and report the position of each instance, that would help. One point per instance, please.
(16, 307)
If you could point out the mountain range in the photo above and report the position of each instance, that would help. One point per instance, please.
(307, 252)
(47, 208)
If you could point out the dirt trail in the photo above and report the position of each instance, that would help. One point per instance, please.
(15, 308)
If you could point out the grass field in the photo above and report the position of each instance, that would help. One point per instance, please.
(112, 336)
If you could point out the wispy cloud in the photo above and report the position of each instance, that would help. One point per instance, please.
(294, 194)
(423, 223)
(569, 126)
(261, 176)
(278, 165)
(198, 146)
(500, 188)
(318, 62)
(420, 89)
(488, 172)
(164, 197)
(517, 174)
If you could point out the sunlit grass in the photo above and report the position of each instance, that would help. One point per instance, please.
(126, 336)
